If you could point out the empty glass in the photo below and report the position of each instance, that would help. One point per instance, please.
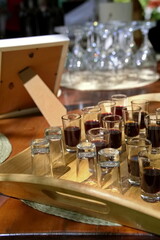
(144, 104)
(40, 153)
(54, 136)
(86, 162)
(108, 168)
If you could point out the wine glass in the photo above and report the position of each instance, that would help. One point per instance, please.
(145, 58)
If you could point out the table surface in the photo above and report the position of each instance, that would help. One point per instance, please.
(20, 221)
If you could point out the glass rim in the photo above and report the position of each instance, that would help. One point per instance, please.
(96, 108)
(74, 115)
(39, 141)
(108, 116)
(97, 131)
(108, 150)
(134, 140)
(119, 96)
(107, 101)
(140, 101)
(87, 145)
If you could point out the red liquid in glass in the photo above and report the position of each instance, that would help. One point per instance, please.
(119, 110)
(131, 129)
(153, 134)
(91, 124)
(100, 144)
(115, 138)
(150, 181)
(101, 116)
(72, 135)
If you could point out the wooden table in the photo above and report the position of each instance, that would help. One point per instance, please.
(19, 221)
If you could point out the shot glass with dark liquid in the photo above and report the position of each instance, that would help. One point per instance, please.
(72, 131)
(90, 117)
(133, 147)
(131, 118)
(100, 137)
(121, 102)
(149, 165)
(144, 104)
(113, 123)
(153, 131)
(108, 107)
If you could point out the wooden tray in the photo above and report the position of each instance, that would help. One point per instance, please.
(127, 208)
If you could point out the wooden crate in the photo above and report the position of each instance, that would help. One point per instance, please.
(125, 208)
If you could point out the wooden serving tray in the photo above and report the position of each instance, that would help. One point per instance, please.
(125, 208)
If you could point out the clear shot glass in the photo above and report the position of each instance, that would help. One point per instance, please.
(133, 147)
(40, 154)
(72, 131)
(149, 165)
(144, 105)
(108, 169)
(86, 162)
(100, 137)
(54, 136)
(153, 131)
(121, 102)
(107, 108)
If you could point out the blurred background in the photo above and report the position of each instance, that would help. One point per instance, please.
(39, 17)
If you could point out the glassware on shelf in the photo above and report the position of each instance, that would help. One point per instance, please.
(145, 57)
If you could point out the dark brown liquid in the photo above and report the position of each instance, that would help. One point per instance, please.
(150, 181)
(153, 134)
(100, 144)
(115, 138)
(72, 135)
(91, 124)
(131, 129)
(133, 166)
(101, 116)
(142, 123)
(119, 110)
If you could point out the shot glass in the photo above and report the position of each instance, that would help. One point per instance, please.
(149, 165)
(108, 107)
(121, 102)
(54, 136)
(86, 162)
(40, 154)
(108, 169)
(153, 131)
(144, 104)
(72, 131)
(113, 123)
(90, 117)
(100, 137)
(133, 147)
(131, 118)
(158, 115)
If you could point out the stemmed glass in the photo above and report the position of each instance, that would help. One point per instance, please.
(145, 58)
